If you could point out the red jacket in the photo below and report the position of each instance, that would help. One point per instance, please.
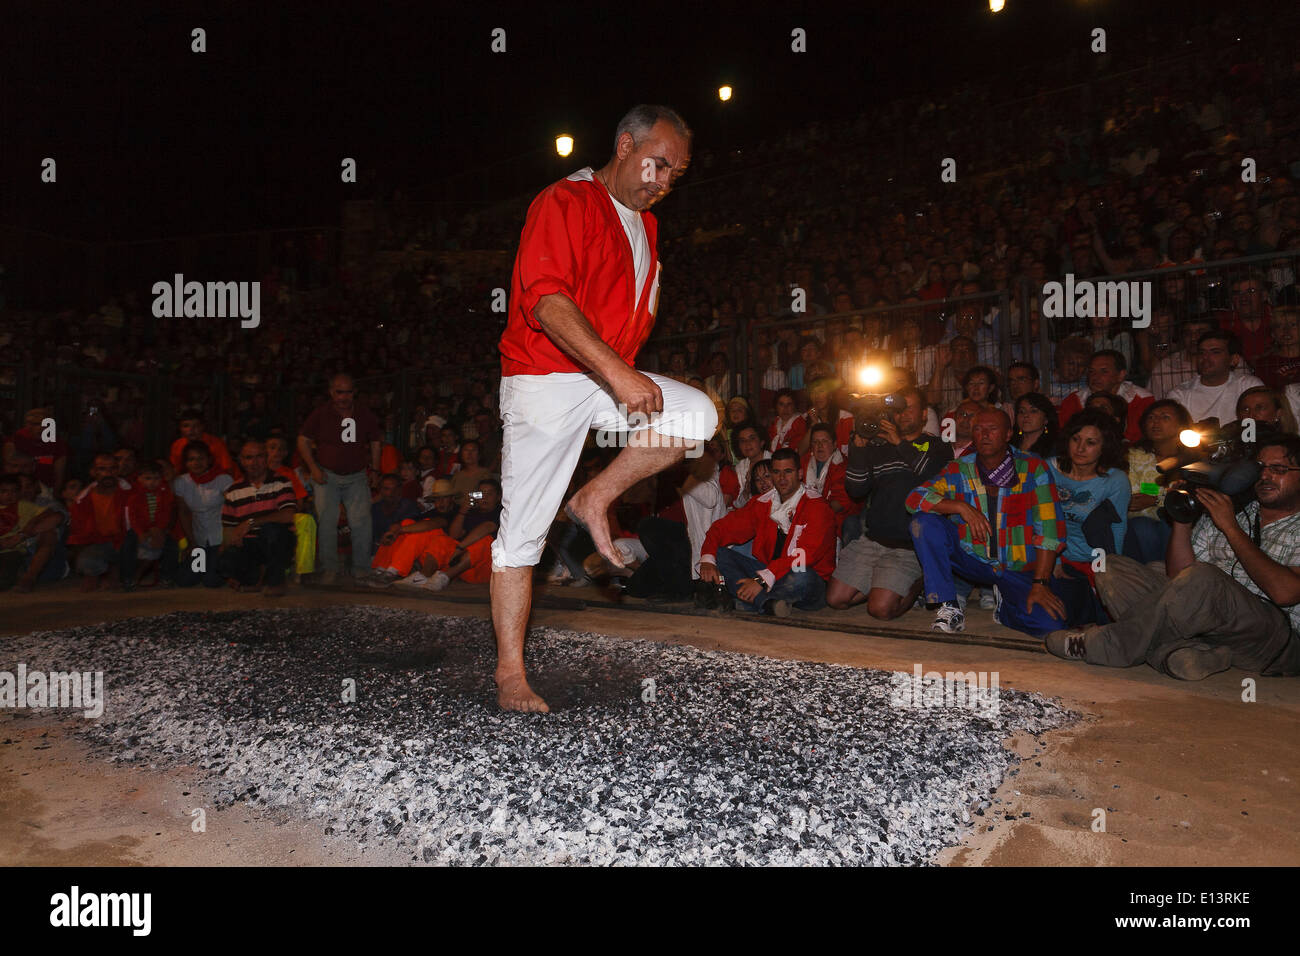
(794, 434)
(137, 509)
(1136, 406)
(573, 243)
(812, 533)
(83, 529)
(833, 489)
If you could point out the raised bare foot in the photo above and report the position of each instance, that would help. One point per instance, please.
(513, 693)
(595, 523)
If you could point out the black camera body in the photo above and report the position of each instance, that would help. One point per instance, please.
(1224, 463)
(870, 409)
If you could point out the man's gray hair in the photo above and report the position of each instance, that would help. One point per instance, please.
(641, 119)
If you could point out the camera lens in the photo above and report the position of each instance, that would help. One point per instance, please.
(1182, 506)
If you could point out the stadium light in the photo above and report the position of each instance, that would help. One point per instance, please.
(996, 5)
(564, 145)
(724, 93)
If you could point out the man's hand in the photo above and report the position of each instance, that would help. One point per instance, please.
(389, 536)
(1219, 507)
(749, 589)
(857, 441)
(241, 530)
(1042, 595)
(976, 521)
(942, 356)
(317, 475)
(709, 573)
(638, 393)
(889, 432)
(1141, 502)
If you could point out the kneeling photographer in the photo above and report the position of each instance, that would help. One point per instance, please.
(889, 455)
(1231, 595)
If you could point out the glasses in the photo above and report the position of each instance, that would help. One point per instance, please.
(1277, 471)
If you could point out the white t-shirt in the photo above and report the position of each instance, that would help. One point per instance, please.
(632, 226)
(1213, 401)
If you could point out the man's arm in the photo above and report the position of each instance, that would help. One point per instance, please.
(1280, 583)
(1178, 552)
(564, 322)
(304, 452)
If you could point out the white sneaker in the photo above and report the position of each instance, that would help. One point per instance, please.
(381, 578)
(413, 580)
(438, 581)
(949, 618)
(988, 599)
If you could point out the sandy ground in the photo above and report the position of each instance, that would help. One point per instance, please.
(1186, 774)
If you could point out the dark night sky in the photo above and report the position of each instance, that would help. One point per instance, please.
(154, 140)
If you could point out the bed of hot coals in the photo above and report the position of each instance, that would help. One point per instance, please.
(381, 724)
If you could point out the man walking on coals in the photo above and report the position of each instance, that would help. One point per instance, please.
(583, 296)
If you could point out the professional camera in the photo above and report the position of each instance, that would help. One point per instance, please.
(871, 408)
(1216, 458)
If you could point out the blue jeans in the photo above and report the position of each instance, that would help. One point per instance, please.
(804, 589)
(938, 548)
(354, 492)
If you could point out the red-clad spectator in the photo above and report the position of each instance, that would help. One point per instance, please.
(191, 426)
(51, 456)
(787, 429)
(150, 514)
(1106, 373)
(823, 469)
(98, 526)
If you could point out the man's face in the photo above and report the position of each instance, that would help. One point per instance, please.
(150, 481)
(823, 445)
(992, 434)
(1280, 491)
(808, 352)
(490, 498)
(192, 429)
(104, 470)
(32, 420)
(389, 489)
(277, 449)
(444, 504)
(964, 416)
(252, 460)
(1213, 360)
(469, 454)
(125, 458)
(447, 439)
(1104, 375)
(342, 392)
(910, 419)
(427, 459)
(1073, 366)
(197, 462)
(785, 477)
(1247, 296)
(8, 495)
(1021, 381)
(963, 354)
(647, 170)
(784, 406)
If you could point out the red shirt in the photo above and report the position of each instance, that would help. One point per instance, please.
(137, 508)
(812, 532)
(107, 525)
(220, 454)
(792, 436)
(573, 243)
(45, 453)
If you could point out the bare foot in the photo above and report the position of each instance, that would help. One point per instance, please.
(595, 524)
(513, 693)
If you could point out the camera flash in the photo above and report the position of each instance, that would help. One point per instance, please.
(1190, 437)
(870, 376)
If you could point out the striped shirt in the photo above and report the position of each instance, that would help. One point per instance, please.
(1280, 540)
(1029, 510)
(243, 501)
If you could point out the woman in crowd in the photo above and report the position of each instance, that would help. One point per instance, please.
(1035, 425)
(1112, 405)
(200, 495)
(1094, 491)
(1148, 534)
(980, 384)
(747, 450)
(787, 428)
(1266, 408)
(824, 409)
(739, 415)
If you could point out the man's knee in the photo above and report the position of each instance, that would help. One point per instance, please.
(884, 605)
(924, 524)
(840, 595)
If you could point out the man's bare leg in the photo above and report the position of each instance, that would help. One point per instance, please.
(590, 505)
(512, 600)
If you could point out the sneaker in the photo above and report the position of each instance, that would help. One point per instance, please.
(381, 579)
(988, 600)
(950, 618)
(1068, 645)
(1196, 663)
(413, 581)
(437, 582)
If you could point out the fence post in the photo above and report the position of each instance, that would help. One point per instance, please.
(1004, 332)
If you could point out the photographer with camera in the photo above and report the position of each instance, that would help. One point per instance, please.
(889, 455)
(1231, 595)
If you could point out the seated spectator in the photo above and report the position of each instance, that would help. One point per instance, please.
(788, 428)
(28, 538)
(1230, 595)
(1107, 334)
(192, 430)
(1281, 366)
(390, 508)
(470, 472)
(1089, 474)
(793, 546)
(98, 526)
(1148, 533)
(404, 543)
(879, 567)
(1036, 425)
(980, 385)
(410, 476)
(1022, 378)
(823, 471)
(127, 465)
(465, 550)
(1267, 409)
(1249, 318)
(962, 421)
(737, 415)
(304, 522)
(1112, 405)
(1177, 366)
(825, 410)
(257, 526)
(993, 518)
(1218, 385)
(200, 495)
(1073, 355)
(951, 363)
(448, 452)
(150, 514)
(1107, 372)
(51, 456)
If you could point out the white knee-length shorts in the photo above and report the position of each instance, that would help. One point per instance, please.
(546, 419)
